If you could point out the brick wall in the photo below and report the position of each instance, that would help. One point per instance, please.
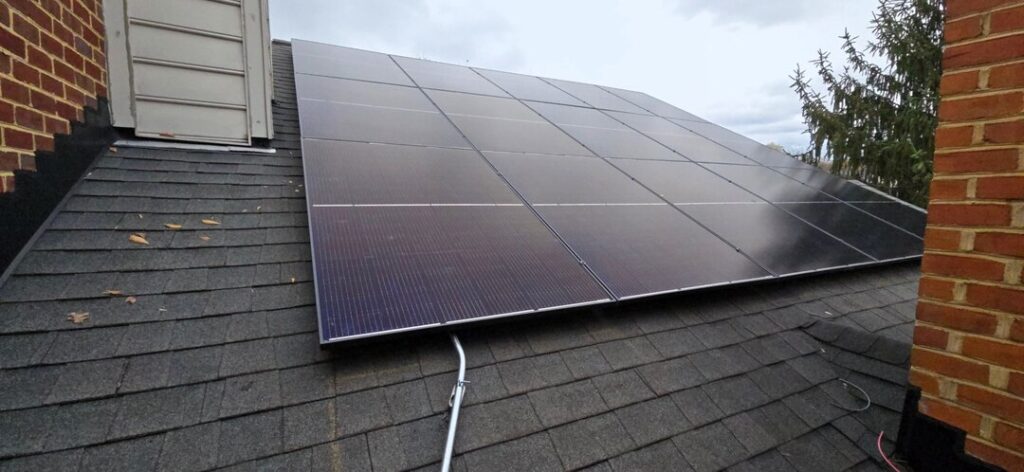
(52, 64)
(968, 356)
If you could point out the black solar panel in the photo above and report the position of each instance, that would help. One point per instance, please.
(443, 194)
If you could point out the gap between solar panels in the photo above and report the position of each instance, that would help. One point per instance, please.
(441, 194)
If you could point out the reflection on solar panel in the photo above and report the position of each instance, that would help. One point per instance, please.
(443, 194)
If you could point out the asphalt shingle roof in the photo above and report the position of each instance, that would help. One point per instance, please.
(217, 363)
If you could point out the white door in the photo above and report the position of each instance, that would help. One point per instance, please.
(190, 70)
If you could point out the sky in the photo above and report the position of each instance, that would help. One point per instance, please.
(729, 61)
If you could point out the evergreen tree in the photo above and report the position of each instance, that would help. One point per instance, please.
(876, 123)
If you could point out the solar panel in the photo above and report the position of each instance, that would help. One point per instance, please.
(442, 194)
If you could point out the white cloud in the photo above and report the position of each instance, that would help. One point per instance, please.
(727, 60)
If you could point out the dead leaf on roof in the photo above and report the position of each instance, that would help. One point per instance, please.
(172, 226)
(138, 238)
(113, 293)
(207, 221)
(78, 317)
(161, 310)
(113, 149)
(293, 279)
(204, 237)
(130, 300)
(140, 216)
(259, 207)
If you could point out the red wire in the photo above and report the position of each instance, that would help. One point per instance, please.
(880, 451)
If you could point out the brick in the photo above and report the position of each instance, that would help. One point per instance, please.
(1001, 353)
(953, 136)
(957, 318)
(1008, 76)
(1001, 457)
(25, 73)
(51, 85)
(6, 112)
(931, 337)
(1016, 385)
(997, 298)
(994, 242)
(994, 160)
(29, 118)
(27, 162)
(1004, 406)
(12, 43)
(56, 126)
(1009, 436)
(14, 91)
(1010, 132)
(969, 215)
(18, 139)
(1011, 188)
(9, 161)
(43, 143)
(988, 106)
(1017, 330)
(44, 103)
(959, 30)
(1010, 19)
(952, 84)
(963, 266)
(948, 189)
(950, 366)
(951, 414)
(25, 29)
(941, 239)
(928, 384)
(39, 59)
(934, 288)
(983, 52)
(959, 8)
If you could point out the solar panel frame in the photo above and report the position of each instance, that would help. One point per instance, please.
(503, 133)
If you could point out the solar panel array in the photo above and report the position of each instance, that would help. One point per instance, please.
(443, 194)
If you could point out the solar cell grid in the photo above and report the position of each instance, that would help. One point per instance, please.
(442, 199)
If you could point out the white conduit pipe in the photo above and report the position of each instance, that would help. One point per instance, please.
(456, 402)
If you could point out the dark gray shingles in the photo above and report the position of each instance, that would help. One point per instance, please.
(79, 424)
(64, 460)
(814, 452)
(345, 454)
(407, 401)
(21, 388)
(566, 403)
(532, 373)
(528, 454)
(671, 375)
(250, 393)
(814, 368)
(25, 431)
(490, 423)
(361, 411)
(779, 380)
(84, 380)
(158, 410)
(191, 449)
(136, 454)
(591, 440)
(408, 445)
(622, 388)
(697, 406)
(248, 437)
(813, 406)
(709, 448)
(735, 394)
(248, 356)
(307, 424)
(715, 335)
(728, 361)
(659, 456)
(771, 461)
(750, 432)
(311, 382)
(676, 343)
(585, 362)
(629, 352)
(653, 420)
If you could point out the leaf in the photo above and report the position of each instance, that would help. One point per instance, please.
(172, 226)
(113, 150)
(78, 317)
(293, 279)
(113, 293)
(130, 300)
(138, 238)
(204, 237)
(207, 221)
